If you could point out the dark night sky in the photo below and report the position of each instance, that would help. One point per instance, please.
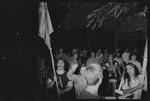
(20, 46)
(19, 29)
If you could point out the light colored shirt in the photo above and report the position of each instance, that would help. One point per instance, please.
(133, 83)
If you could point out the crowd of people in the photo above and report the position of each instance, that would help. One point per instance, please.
(96, 75)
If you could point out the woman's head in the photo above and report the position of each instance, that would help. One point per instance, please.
(118, 54)
(133, 56)
(110, 57)
(75, 56)
(132, 69)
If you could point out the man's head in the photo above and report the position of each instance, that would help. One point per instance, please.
(93, 74)
(61, 50)
(60, 64)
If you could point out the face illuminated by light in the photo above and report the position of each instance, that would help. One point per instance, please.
(133, 57)
(60, 64)
(75, 56)
(130, 70)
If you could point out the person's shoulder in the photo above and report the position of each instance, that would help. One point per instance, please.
(130, 61)
(138, 62)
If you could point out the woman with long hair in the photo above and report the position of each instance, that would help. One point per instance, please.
(131, 80)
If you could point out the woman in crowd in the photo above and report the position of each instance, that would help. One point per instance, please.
(92, 59)
(75, 60)
(130, 83)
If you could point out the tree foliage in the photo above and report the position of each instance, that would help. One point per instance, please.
(82, 15)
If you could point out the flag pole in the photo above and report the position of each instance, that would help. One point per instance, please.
(45, 29)
(54, 69)
(143, 69)
(50, 48)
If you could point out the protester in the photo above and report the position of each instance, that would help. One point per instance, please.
(75, 60)
(64, 85)
(93, 75)
(92, 59)
(131, 80)
(79, 82)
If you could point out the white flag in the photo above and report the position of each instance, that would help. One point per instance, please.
(45, 25)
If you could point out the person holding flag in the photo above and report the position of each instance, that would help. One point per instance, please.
(133, 82)
(45, 29)
(64, 85)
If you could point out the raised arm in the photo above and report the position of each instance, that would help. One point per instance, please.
(70, 74)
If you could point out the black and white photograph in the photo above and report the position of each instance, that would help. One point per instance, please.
(73, 50)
